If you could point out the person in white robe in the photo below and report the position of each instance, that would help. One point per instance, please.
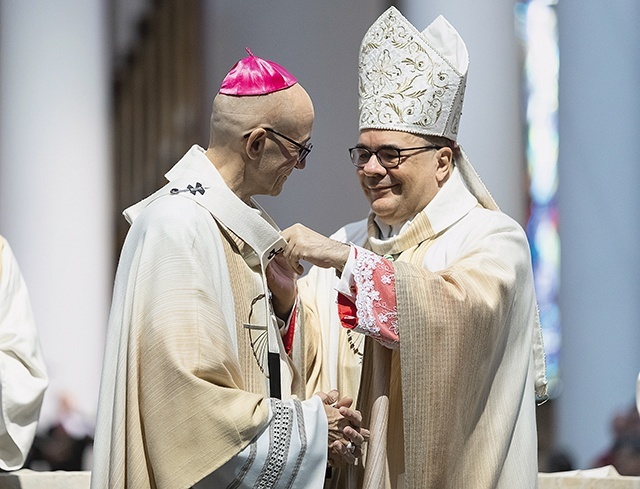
(203, 381)
(23, 374)
(429, 302)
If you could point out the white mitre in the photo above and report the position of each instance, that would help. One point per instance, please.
(410, 80)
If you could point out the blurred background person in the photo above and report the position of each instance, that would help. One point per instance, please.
(624, 451)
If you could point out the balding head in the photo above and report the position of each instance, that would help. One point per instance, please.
(233, 117)
(251, 159)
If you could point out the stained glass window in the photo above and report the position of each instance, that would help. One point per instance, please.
(537, 26)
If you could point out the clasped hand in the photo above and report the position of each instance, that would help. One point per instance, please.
(345, 428)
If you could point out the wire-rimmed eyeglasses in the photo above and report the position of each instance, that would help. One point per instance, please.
(303, 150)
(388, 156)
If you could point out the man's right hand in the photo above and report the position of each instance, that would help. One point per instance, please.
(305, 244)
(344, 428)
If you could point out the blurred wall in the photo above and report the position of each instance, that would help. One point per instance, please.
(599, 117)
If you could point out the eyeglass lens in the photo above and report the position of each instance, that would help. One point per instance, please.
(303, 150)
(386, 156)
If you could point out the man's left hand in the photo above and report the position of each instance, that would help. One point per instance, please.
(281, 280)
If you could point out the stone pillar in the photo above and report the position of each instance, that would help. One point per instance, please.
(599, 206)
(55, 181)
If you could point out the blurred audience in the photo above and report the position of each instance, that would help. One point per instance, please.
(65, 444)
(624, 453)
(558, 461)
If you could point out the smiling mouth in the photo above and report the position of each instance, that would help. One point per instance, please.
(379, 189)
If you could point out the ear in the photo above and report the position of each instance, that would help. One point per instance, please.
(254, 146)
(444, 158)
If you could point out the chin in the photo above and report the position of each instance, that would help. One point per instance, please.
(388, 221)
(276, 191)
(390, 218)
(383, 212)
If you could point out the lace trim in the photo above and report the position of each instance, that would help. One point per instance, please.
(372, 309)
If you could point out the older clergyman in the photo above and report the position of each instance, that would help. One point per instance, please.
(199, 376)
(436, 279)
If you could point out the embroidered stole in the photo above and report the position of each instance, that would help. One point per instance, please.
(249, 307)
(447, 335)
(381, 385)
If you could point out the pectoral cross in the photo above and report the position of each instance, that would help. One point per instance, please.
(273, 253)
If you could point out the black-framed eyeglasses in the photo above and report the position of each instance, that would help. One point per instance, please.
(388, 157)
(303, 150)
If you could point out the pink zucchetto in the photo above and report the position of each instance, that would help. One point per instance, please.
(256, 76)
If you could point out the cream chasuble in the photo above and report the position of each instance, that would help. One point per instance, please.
(184, 398)
(454, 407)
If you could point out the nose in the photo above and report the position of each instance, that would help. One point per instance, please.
(373, 167)
(301, 164)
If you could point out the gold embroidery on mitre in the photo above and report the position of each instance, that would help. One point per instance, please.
(405, 83)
